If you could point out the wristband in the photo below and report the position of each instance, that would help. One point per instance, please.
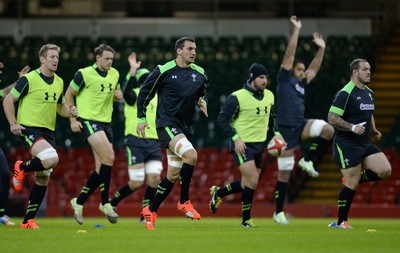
(353, 128)
(235, 137)
(141, 120)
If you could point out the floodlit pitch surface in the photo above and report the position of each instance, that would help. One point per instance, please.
(209, 234)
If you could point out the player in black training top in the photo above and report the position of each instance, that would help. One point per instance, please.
(359, 160)
(181, 85)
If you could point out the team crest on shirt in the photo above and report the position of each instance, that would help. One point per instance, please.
(299, 89)
(194, 77)
(133, 159)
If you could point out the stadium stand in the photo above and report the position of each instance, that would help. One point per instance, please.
(226, 61)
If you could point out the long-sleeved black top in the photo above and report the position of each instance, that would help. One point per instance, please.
(179, 90)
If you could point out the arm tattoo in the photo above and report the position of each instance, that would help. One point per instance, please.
(337, 122)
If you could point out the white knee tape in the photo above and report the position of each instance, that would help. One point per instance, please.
(316, 127)
(153, 167)
(286, 163)
(44, 173)
(136, 174)
(182, 146)
(174, 161)
(47, 154)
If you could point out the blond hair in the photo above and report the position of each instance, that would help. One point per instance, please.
(43, 50)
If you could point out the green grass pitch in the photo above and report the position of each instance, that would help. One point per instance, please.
(207, 235)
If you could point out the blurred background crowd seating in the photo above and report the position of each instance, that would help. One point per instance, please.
(226, 61)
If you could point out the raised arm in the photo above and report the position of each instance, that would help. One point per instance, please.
(317, 61)
(288, 59)
(130, 82)
(134, 64)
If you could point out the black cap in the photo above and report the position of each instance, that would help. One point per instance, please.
(256, 70)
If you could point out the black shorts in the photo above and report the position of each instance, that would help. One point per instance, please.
(91, 126)
(167, 133)
(139, 150)
(349, 155)
(30, 135)
(254, 152)
(292, 134)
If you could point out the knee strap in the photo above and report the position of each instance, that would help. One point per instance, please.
(182, 146)
(153, 167)
(136, 174)
(316, 127)
(47, 154)
(286, 163)
(174, 161)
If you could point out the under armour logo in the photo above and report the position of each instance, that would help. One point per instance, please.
(94, 126)
(54, 96)
(358, 98)
(346, 161)
(370, 96)
(109, 86)
(174, 77)
(133, 159)
(259, 110)
(194, 77)
(31, 137)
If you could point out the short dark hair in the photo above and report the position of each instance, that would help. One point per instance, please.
(181, 41)
(355, 65)
(103, 47)
(297, 61)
